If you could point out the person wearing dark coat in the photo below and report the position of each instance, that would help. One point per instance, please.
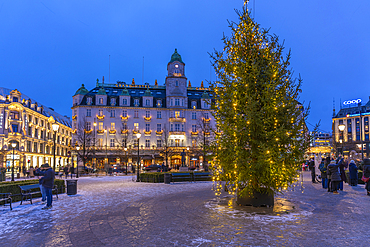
(65, 170)
(311, 165)
(333, 170)
(366, 173)
(72, 170)
(353, 176)
(48, 184)
(323, 168)
(343, 177)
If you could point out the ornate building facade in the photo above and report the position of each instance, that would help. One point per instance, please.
(353, 140)
(171, 119)
(27, 125)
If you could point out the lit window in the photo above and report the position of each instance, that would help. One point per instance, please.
(136, 126)
(177, 114)
(112, 126)
(100, 125)
(100, 101)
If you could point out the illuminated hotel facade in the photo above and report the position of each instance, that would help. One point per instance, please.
(351, 129)
(175, 115)
(28, 124)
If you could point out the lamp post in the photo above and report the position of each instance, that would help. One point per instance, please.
(187, 150)
(138, 135)
(55, 127)
(341, 128)
(106, 151)
(94, 158)
(126, 158)
(14, 144)
(77, 148)
(362, 143)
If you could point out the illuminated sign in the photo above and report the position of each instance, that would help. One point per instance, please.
(350, 102)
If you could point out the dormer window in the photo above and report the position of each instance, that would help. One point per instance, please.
(100, 101)
(159, 103)
(112, 101)
(124, 102)
(15, 99)
(194, 104)
(147, 102)
(136, 102)
(89, 100)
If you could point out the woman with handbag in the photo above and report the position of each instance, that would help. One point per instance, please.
(366, 175)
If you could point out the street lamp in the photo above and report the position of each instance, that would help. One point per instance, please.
(55, 127)
(341, 128)
(94, 158)
(126, 158)
(14, 144)
(77, 148)
(187, 149)
(138, 135)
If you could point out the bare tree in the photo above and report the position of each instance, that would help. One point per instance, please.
(167, 151)
(84, 137)
(205, 137)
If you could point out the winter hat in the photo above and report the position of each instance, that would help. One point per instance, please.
(46, 165)
(352, 161)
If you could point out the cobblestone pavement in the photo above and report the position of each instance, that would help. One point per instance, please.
(115, 211)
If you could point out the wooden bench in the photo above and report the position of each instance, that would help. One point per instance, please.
(28, 190)
(6, 198)
(186, 176)
(201, 176)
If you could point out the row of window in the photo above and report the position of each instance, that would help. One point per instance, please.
(172, 143)
(44, 149)
(357, 129)
(176, 114)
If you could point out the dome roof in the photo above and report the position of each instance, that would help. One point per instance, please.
(176, 57)
(82, 90)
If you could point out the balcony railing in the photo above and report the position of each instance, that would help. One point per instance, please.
(112, 131)
(177, 132)
(148, 118)
(100, 117)
(194, 133)
(74, 117)
(124, 118)
(206, 119)
(159, 132)
(177, 119)
(100, 131)
(124, 131)
(148, 132)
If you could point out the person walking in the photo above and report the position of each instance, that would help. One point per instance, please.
(48, 183)
(40, 173)
(31, 172)
(343, 177)
(323, 169)
(311, 165)
(24, 171)
(353, 175)
(333, 169)
(366, 174)
(65, 170)
(72, 170)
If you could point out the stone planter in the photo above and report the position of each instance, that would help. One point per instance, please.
(257, 199)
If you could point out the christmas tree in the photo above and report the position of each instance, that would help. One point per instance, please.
(257, 110)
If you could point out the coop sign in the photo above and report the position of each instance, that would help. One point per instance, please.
(350, 102)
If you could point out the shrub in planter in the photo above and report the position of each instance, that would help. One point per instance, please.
(12, 187)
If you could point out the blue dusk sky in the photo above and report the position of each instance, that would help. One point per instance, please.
(49, 48)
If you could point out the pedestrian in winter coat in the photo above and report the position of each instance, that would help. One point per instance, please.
(343, 177)
(366, 173)
(353, 176)
(65, 170)
(40, 172)
(311, 165)
(333, 169)
(71, 170)
(323, 168)
(31, 172)
(24, 171)
(48, 184)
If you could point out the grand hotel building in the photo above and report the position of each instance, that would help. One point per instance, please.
(174, 115)
(27, 123)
